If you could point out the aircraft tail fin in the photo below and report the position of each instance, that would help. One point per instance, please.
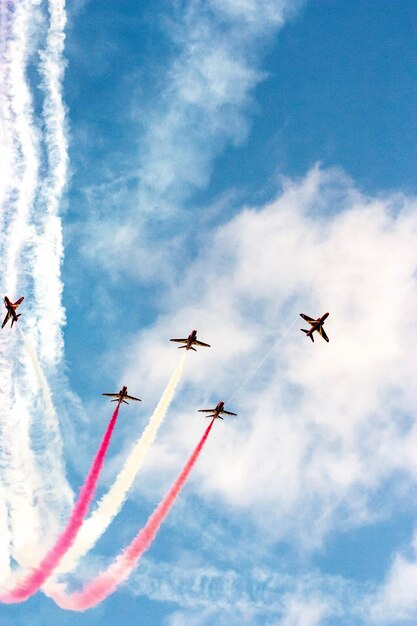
(179, 347)
(191, 348)
(311, 337)
(304, 330)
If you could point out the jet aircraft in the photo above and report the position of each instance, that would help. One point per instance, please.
(315, 325)
(215, 413)
(190, 341)
(11, 310)
(121, 396)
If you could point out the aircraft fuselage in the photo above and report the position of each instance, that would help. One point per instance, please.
(318, 324)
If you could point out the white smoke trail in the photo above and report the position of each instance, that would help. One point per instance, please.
(5, 570)
(53, 450)
(41, 377)
(6, 125)
(26, 163)
(111, 503)
(49, 249)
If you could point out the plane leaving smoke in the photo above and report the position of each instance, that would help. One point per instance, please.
(111, 503)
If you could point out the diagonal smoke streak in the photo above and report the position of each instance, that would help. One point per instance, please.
(106, 582)
(51, 464)
(23, 589)
(111, 503)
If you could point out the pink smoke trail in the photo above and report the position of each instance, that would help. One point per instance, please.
(106, 582)
(29, 585)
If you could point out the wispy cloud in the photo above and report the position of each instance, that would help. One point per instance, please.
(201, 107)
(208, 595)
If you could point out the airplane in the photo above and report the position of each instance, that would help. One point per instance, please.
(315, 325)
(216, 411)
(11, 310)
(121, 396)
(190, 341)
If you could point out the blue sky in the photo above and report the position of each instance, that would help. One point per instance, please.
(231, 164)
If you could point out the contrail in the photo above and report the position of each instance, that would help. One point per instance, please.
(106, 582)
(33, 581)
(253, 372)
(111, 503)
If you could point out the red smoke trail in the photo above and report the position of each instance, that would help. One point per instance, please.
(37, 577)
(105, 583)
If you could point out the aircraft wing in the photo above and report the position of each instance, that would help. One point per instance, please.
(16, 304)
(323, 334)
(179, 340)
(132, 398)
(112, 395)
(201, 343)
(6, 319)
(308, 319)
(229, 413)
(206, 410)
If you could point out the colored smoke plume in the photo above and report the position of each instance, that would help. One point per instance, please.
(37, 577)
(107, 581)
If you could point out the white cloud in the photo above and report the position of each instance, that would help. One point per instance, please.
(208, 595)
(396, 600)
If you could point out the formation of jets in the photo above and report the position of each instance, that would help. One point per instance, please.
(11, 310)
(189, 342)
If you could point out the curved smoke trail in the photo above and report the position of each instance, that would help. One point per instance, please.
(106, 582)
(32, 582)
(111, 503)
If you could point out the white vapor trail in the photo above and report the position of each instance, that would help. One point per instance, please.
(49, 249)
(111, 503)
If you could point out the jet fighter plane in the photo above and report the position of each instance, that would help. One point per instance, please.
(215, 413)
(315, 325)
(190, 341)
(11, 310)
(121, 396)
